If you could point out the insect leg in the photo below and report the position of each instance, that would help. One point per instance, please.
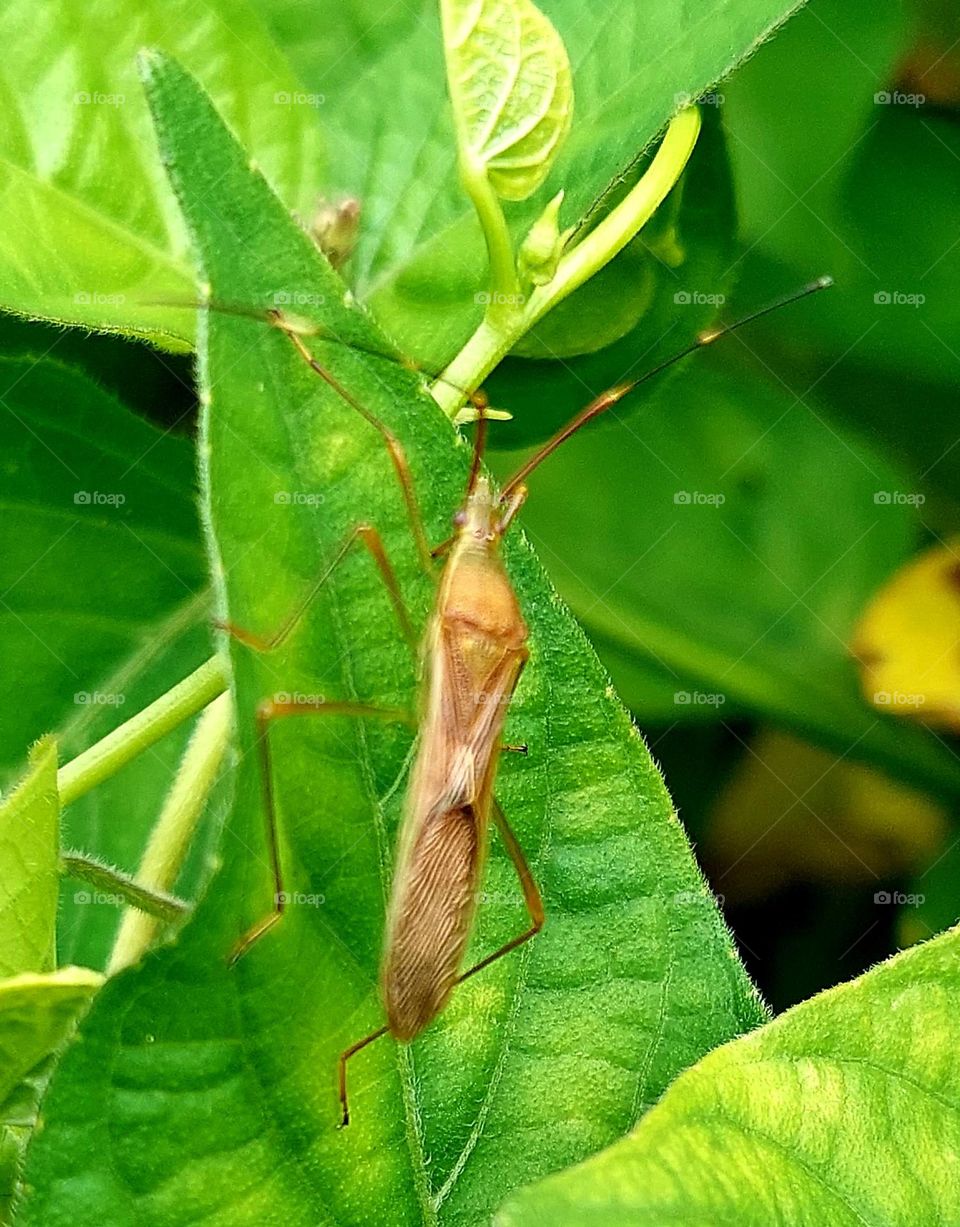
(268, 711)
(342, 1070)
(397, 455)
(368, 536)
(531, 894)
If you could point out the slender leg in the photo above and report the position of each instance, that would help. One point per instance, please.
(368, 536)
(534, 902)
(531, 895)
(342, 1070)
(397, 455)
(523, 749)
(268, 711)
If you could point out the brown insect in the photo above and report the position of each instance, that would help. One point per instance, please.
(473, 653)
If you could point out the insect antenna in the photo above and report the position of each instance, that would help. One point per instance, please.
(612, 396)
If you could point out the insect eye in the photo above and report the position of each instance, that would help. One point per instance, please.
(460, 518)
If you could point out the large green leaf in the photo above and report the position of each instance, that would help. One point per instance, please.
(103, 604)
(29, 856)
(90, 234)
(845, 1110)
(718, 564)
(204, 1093)
(76, 127)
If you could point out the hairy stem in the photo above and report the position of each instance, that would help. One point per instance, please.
(114, 881)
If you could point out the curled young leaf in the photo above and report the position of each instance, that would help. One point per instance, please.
(511, 89)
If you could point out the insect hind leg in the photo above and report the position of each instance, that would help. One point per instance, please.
(531, 895)
(342, 1070)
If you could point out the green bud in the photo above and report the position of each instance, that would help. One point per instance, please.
(541, 250)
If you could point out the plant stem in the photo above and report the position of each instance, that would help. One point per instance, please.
(111, 753)
(497, 335)
(114, 881)
(165, 852)
(503, 274)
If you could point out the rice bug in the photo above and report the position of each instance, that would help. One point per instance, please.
(473, 653)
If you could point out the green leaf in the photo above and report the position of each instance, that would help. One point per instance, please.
(420, 258)
(91, 235)
(38, 1012)
(29, 852)
(160, 1112)
(511, 91)
(715, 564)
(104, 603)
(845, 1110)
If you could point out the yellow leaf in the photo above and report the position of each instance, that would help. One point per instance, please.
(907, 641)
(793, 812)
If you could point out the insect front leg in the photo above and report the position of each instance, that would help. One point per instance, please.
(368, 536)
(269, 711)
(393, 445)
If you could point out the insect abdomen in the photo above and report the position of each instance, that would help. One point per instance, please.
(430, 921)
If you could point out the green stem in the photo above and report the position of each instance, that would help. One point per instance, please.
(504, 287)
(105, 758)
(111, 881)
(495, 337)
(170, 839)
